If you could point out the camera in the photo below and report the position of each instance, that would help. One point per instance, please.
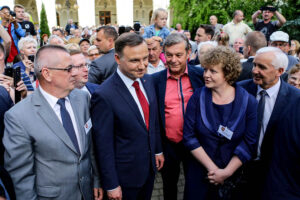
(31, 58)
(272, 9)
(12, 13)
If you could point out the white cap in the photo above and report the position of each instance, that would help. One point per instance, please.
(279, 36)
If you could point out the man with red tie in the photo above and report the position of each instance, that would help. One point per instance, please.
(125, 124)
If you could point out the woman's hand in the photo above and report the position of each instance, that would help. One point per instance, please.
(218, 176)
(28, 64)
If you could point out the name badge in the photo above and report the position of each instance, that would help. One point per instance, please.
(88, 126)
(225, 132)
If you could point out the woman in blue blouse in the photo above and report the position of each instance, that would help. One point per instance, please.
(220, 126)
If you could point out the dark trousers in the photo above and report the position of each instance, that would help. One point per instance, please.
(141, 193)
(255, 176)
(175, 154)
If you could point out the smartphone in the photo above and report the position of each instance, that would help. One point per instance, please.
(31, 58)
(17, 78)
(241, 49)
(9, 71)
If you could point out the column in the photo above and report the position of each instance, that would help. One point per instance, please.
(162, 4)
(86, 12)
(50, 11)
(124, 12)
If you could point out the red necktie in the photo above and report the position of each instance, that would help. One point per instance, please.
(143, 102)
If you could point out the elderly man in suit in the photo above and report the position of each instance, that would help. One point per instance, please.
(126, 130)
(278, 102)
(174, 86)
(105, 66)
(47, 136)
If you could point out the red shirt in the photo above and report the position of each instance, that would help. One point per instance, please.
(178, 93)
(13, 49)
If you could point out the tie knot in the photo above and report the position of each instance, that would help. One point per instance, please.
(263, 93)
(61, 102)
(136, 85)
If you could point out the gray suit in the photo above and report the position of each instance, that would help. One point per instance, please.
(40, 156)
(103, 67)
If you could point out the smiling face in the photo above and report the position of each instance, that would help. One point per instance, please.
(264, 73)
(294, 79)
(134, 61)
(176, 58)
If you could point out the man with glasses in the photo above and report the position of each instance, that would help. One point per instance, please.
(281, 40)
(80, 71)
(47, 136)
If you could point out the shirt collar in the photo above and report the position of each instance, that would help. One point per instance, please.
(128, 82)
(184, 73)
(52, 100)
(160, 64)
(272, 90)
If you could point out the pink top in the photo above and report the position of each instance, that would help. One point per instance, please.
(178, 93)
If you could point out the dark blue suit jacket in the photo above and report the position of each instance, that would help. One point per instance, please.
(125, 150)
(160, 83)
(5, 104)
(280, 149)
(91, 87)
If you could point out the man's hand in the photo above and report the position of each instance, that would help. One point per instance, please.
(6, 80)
(159, 161)
(98, 193)
(115, 194)
(21, 87)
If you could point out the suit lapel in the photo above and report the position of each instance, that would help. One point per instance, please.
(50, 118)
(161, 95)
(125, 94)
(78, 117)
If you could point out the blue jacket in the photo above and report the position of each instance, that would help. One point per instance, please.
(160, 82)
(91, 87)
(125, 149)
(150, 31)
(16, 34)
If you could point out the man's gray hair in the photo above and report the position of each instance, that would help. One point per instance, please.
(54, 37)
(26, 40)
(176, 38)
(211, 43)
(280, 58)
(42, 60)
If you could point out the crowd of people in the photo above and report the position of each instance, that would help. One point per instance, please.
(95, 113)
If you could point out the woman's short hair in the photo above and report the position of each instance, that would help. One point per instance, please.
(26, 40)
(294, 69)
(93, 47)
(73, 46)
(229, 59)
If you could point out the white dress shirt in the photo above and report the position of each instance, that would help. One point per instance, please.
(270, 99)
(52, 100)
(128, 82)
(151, 69)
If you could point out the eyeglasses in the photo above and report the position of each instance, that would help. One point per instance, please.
(68, 69)
(95, 54)
(278, 44)
(80, 66)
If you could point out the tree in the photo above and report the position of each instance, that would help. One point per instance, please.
(192, 13)
(44, 22)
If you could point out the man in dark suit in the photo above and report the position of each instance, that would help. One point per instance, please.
(277, 100)
(105, 66)
(125, 124)
(178, 80)
(80, 72)
(254, 41)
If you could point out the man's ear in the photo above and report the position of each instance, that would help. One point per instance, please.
(280, 71)
(117, 58)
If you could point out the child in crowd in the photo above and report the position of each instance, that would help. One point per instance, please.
(158, 28)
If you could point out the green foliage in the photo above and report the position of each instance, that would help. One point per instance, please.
(293, 28)
(192, 13)
(44, 22)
